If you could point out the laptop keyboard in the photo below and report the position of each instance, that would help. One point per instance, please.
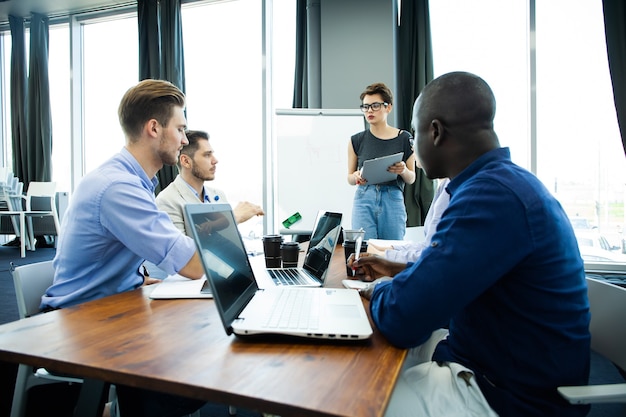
(295, 309)
(288, 276)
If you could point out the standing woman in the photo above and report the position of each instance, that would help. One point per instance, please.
(379, 209)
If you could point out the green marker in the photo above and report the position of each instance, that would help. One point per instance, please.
(291, 220)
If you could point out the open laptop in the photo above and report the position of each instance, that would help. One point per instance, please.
(329, 313)
(318, 255)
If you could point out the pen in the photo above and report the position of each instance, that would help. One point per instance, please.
(357, 251)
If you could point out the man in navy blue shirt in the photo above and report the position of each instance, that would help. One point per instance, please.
(503, 273)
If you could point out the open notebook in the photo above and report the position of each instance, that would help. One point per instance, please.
(244, 309)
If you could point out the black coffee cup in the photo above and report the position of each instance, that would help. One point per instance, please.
(349, 247)
(290, 251)
(271, 249)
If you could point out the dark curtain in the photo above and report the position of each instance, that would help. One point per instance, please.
(19, 76)
(39, 119)
(414, 69)
(161, 54)
(615, 32)
(300, 96)
(149, 39)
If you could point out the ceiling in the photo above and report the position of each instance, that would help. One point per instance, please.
(53, 8)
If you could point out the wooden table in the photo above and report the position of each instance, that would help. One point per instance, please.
(180, 347)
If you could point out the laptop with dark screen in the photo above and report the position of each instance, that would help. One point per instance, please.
(318, 255)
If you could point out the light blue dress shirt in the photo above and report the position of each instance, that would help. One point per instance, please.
(111, 226)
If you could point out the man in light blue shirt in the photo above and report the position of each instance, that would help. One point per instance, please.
(113, 224)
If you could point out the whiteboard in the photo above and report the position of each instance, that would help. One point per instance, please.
(312, 163)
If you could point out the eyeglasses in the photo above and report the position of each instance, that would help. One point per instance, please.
(374, 106)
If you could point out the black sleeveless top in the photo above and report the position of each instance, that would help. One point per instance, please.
(367, 146)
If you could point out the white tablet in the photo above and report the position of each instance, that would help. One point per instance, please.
(375, 170)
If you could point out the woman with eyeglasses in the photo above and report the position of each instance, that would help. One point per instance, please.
(379, 208)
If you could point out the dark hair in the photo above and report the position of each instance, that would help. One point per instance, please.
(193, 136)
(149, 99)
(378, 88)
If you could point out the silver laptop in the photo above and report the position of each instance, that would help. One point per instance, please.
(318, 255)
(323, 313)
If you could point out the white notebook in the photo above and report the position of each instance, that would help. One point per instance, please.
(177, 286)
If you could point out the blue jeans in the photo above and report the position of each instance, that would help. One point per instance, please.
(380, 211)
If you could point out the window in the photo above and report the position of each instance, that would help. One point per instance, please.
(496, 50)
(59, 79)
(110, 68)
(579, 151)
(581, 158)
(224, 87)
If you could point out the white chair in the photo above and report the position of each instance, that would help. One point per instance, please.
(31, 282)
(608, 338)
(35, 190)
(46, 190)
(11, 203)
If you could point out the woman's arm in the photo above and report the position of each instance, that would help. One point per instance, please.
(354, 175)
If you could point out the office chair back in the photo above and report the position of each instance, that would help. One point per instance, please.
(608, 312)
(31, 282)
(608, 338)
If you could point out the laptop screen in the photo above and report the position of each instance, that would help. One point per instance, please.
(224, 257)
(323, 240)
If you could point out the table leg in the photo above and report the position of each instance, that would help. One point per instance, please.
(93, 395)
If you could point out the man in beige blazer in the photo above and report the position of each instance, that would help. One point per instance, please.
(197, 164)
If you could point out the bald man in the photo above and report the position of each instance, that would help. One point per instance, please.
(503, 271)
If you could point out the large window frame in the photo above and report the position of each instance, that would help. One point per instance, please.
(527, 104)
(551, 81)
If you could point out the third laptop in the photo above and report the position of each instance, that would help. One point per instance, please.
(317, 259)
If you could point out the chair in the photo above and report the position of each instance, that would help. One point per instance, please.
(31, 282)
(36, 190)
(11, 203)
(608, 338)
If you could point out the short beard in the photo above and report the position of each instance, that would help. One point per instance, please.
(167, 158)
(196, 173)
